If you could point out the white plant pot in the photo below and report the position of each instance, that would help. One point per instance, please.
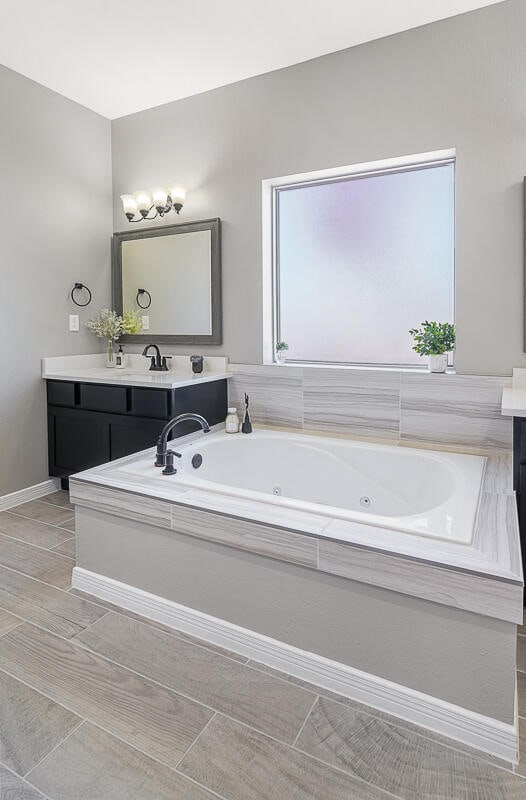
(438, 363)
(281, 356)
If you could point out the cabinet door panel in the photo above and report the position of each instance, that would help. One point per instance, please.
(97, 397)
(150, 402)
(80, 442)
(127, 436)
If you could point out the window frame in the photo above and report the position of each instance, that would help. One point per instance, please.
(271, 189)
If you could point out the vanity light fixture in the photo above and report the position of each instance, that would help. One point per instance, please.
(160, 200)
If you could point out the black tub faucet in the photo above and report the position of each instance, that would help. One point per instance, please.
(162, 442)
(158, 363)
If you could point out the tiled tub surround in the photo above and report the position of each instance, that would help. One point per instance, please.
(404, 406)
(420, 617)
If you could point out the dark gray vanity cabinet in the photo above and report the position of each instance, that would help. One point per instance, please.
(92, 423)
(519, 480)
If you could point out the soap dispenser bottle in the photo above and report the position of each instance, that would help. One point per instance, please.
(232, 421)
(120, 358)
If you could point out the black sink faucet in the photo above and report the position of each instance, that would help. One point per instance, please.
(162, 446)
(158, 363)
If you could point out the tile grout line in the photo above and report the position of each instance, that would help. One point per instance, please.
(194, 741)
(49, 524)
(66, 737)
(31, 785)
(38, 546)
(311, 709)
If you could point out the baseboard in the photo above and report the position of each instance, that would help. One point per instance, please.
(31, 493)
(484, 733)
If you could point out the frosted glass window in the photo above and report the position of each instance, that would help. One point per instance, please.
(361, 260)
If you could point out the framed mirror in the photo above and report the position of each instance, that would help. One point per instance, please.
(170, 275)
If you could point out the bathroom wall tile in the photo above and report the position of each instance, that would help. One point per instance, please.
(121, 503)
(31, 531)
(93, 765)
(156, 720)
(275, 393)
(352, 401)
(31, 725)
(498, 476)
(262, 701)
(235, 532)
(498, 512)
(240, 764)
(458, 409)
(398, 761)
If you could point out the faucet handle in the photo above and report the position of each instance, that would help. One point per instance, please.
(164, 365)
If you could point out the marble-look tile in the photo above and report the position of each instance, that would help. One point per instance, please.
(31, 725)
(240, 764)
(67, 548)
(8, 622)
(458, 409)
(398, 761)
(246, 535)
(59, 498)
(92, 765)
(43, 512)
(275, 394)
(37, 563)
(498, 475)
(159, 626)
(521, 693)
(259, 700)
(120, 503)
(521, 653)
(156, 720)
(498, 513)
(31, 531)
(14, 788)
(354, 401)
(54, 610)
(478, 593)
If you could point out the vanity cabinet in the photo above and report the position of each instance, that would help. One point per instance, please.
(519, 480)
(93, 423)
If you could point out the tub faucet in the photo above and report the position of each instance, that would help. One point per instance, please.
(162, 441)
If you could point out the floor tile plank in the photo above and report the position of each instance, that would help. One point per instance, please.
(262, 701)
(14, 788)
(398, 761)
(43, 512)
(521, 692)
(55, 610)
(67, 548)
(31, 725)
(8, 622)
(43, 565)
(59, 498)
(521, 653)
(149, 717)
(92, 765)
(240, 764)
(31, 531)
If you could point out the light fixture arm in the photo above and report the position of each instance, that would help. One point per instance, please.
(163, 203)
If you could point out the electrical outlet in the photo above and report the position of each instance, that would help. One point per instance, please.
(74, 322)
(145, 322)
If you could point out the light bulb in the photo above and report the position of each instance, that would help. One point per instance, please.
(144, 202)
(178, 195)
(159, 196)
(129, 205)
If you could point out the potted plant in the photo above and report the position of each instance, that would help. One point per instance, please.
(436, 340)
(110, 326)
(281, 352)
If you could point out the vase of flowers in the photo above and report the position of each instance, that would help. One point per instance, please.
(281, 352)
(110, 326)
(435, 340)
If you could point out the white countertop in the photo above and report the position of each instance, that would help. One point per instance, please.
(514, 397)
(92, 369)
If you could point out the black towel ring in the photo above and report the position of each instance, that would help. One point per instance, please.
(139, 294)
(79, 287)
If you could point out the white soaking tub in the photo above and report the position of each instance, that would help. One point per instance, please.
(429, 493)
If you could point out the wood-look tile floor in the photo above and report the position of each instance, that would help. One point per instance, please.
(97, 703)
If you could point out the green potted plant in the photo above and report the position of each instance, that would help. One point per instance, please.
(281, 352)
(435, 340)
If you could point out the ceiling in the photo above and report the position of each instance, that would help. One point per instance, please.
(121, 56)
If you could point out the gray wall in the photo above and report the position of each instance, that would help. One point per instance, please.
(456, 83)
(460, 657)
(55, 204)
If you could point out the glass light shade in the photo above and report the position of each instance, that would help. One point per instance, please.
(159, 196)
(178, 194)
(129, 204)
(143, 200)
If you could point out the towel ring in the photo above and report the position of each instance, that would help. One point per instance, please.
(139, 294)
(78, 287)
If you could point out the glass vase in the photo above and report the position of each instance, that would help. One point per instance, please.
(110, 353)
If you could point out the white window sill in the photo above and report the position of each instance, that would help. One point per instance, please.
(359, 367)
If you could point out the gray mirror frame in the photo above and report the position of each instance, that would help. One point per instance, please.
(212, 225)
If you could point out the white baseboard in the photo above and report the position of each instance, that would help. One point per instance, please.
(484, 733)
(31, 493)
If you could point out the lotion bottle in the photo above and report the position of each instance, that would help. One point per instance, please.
(120, 358)
(232, 421)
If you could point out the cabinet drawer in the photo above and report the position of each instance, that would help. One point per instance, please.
(60, 393)
(150, 402)
(98, 397)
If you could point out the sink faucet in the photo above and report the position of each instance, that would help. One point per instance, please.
(164, 457)
(158, 363)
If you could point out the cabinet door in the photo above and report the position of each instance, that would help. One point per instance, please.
(77, 441)
(130, 435)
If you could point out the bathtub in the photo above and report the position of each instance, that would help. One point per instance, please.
(423, 492)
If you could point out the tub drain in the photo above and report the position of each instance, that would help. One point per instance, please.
(365, 501)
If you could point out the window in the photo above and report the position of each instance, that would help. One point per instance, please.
(358, 257)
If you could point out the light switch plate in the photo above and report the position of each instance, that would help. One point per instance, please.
(74, 322)
(145, 322)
